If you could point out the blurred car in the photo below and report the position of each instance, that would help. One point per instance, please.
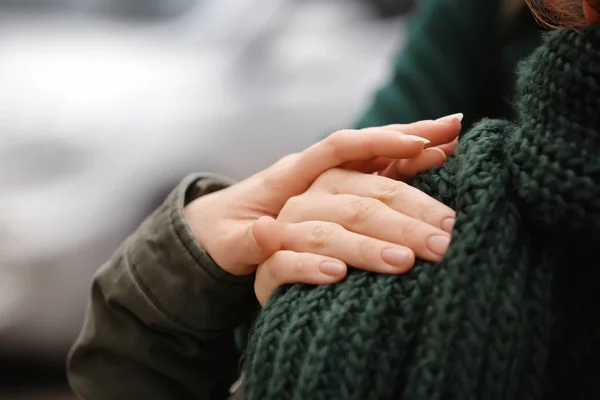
(105, 105)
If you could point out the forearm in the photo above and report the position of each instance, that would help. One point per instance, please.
(162, 313)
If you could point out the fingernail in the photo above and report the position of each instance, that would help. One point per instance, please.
(451, 118)
(332, 268)
(394, 257)
(448, 224)
(412, 138)
(438, 244)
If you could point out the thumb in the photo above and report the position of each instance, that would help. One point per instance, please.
(263, 238)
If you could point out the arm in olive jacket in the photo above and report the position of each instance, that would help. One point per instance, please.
(160, 321)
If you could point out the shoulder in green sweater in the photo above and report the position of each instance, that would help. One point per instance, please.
(511, 312)
(459, 56)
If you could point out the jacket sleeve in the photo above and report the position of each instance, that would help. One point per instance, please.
(161, 317)
(443, 65)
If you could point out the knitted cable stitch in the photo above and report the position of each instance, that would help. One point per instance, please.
(513, 312)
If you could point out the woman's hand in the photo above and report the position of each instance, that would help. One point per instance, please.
(237, 225)
(351, 218)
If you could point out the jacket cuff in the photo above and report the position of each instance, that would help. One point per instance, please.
(178, 276)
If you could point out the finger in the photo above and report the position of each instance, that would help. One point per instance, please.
(371, 218)
(439, 133)
(286, 267)
(449, 148)
(399, 196)
(360, 251)
(382, 163)
(263, 238)
(342, 147)
(407, 169)
(352, 149)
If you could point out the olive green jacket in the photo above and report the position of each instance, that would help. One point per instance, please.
(161, 318)
(160, 321)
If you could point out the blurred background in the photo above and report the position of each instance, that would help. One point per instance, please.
(106, 104)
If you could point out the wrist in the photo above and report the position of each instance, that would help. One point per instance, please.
(202, 218)
(208, 220)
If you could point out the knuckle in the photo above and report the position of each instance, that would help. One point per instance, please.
(298, 208)
(298, 266)
(320, 235)
(411, 229)
(336, 141)
(327, 178)
(365, 247)
(361, 209)
(428, 212)
(287, 267)
(389, 193)
(337, 136)
(291, 207)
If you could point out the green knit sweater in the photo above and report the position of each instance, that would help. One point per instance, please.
(513, 312)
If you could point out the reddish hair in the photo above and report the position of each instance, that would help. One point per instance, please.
(564, 13)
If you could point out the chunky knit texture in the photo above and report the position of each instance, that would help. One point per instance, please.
(513, 312)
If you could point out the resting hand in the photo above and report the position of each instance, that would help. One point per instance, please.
(368, 221)
(237, 225)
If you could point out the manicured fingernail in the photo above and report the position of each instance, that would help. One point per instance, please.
(332, 268)
(451, 118)
(438, 244)
(394, 257)
(448, 224)
(412, 138)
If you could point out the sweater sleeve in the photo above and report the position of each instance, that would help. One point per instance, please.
(443, 66)
(161, 317)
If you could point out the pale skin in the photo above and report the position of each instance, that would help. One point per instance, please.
(342, 201)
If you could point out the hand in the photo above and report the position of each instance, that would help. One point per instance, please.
(237, 225)
(404, 169)
(351, 218)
